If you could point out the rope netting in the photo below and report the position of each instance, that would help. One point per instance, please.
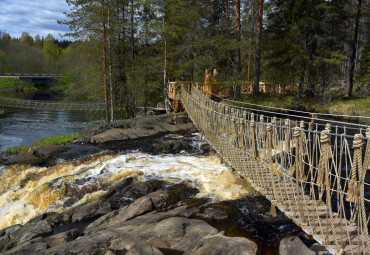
(315, 173)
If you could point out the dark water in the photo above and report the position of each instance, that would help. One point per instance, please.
(25, 126)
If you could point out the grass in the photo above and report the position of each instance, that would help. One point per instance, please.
(14, 83)
(51, 140)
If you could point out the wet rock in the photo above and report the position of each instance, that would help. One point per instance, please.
(172, 146)
(214, 214)
(32, 231)
(294, 245)
(223, 245)
(154, 201)
(3, 159)
(35, 246)
(253, 215)
(126, 192)
(89, 211)
(28, 158)
(45, 151)
(142, 127)
(142, 247)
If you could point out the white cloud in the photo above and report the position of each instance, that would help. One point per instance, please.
(33, 16)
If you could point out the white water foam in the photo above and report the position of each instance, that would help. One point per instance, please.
(28, 192)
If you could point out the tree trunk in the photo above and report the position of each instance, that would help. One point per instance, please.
(251, 42)
(105, 64)
(301, 83)
(258, 50)
(133, 104)
(352, 60)
(110, 69)
(165, 88)
(238, 58)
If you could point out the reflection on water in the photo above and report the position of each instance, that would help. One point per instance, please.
(26, 192)
(26, 126)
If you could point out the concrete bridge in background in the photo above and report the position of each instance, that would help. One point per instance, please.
(33, 78)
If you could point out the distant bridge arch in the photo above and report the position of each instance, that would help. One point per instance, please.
(33, 78)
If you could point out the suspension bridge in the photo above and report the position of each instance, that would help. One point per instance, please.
(51, 105)
(316, 174)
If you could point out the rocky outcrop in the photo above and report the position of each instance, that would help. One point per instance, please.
(222, 245)
(36, 155)
(294, 245)
(153, 218)
(141, 127)
(150, 221)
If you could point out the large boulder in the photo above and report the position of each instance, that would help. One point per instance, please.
(294, 245)
(222, 245)
(48, 150)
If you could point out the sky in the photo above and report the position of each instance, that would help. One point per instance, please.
(33, 16)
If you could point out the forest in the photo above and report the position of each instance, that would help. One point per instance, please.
(125, 52)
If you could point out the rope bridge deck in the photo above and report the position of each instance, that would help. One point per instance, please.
(51, 105)
(314, 174)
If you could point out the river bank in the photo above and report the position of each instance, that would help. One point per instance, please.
(143, 186)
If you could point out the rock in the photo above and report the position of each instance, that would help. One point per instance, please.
(32, 231)
(10, 231)
(126, 192)
(294, 245)
(223, 245)
(141, 248)
(156, 200)
(63, 237)
(45, 151)
(28, 158)
(142, 127)
(214, 214)
(3, 159)
(91, 210)
(35, 246)
(172, 146)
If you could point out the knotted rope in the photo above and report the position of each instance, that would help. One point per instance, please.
(287, 135)
(253, 137)
(299, 172)
(366, 165)
(242, 142)
(324, 157)
(274, 132)
(353, 189)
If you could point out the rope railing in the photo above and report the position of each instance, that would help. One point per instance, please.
(288, 113)
(316, 176)
(50, 105)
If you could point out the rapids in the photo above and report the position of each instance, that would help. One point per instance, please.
(26, 192)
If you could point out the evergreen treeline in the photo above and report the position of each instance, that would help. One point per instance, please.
(30, 55)
(126, 51)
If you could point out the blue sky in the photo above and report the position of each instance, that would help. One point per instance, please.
(33, 16)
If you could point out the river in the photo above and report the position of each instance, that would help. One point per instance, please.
(23, 127)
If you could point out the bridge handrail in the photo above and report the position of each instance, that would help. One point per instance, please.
(314, 170)
(347, 125)
(290, 110)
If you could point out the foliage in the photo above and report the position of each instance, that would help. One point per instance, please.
(13, 83)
